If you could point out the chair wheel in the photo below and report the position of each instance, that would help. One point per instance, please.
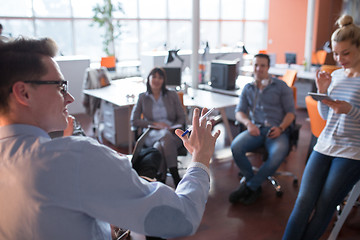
(279, 194)
(295, 182)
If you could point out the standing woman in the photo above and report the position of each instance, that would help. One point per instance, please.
(160, 108)
(334, 166)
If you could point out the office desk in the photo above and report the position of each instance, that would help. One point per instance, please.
(280, 69)
(202, 98)
(124, 94)
(118, 100)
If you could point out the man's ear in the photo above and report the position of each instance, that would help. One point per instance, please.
(20, 92)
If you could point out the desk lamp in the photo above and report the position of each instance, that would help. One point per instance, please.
(241, 44)
(174, 54)
(244, 50)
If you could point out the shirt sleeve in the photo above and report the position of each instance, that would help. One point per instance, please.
(136, 112)
(244, 103)
(110, 190)
(287, 98)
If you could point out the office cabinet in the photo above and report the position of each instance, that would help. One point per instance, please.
(73, 69)
(303, 86)
(116, 124)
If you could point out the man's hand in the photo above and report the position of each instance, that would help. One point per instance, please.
(253, 129)
(274, 132)
(201, 143)
(68, 131)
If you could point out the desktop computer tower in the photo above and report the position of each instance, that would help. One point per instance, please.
(223, 74)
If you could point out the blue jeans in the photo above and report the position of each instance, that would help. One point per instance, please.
(277, 149)
(325, 183)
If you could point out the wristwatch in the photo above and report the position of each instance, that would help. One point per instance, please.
(282, 130)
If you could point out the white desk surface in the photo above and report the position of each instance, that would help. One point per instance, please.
(122, 92)
(119, 91)
(125, 92)
(241, 81)
(280, 70)
(202, 98)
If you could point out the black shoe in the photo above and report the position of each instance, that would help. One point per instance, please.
(251, 197)
(240, 193)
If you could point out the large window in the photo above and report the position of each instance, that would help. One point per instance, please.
(147, 25)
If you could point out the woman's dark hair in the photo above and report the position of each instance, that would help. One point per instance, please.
(162, 74)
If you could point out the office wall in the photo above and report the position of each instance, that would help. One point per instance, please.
(327, 12)
(286, 29)
(287, 26)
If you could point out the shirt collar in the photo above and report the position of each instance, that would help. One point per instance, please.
(21, 129)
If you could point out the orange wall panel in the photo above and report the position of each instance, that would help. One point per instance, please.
(287, 28)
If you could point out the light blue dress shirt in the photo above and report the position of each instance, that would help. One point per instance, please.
(73, 187)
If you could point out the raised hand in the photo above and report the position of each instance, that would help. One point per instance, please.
(323, 80)
(201, 142)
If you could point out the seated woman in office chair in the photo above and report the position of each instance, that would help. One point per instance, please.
(161, 109)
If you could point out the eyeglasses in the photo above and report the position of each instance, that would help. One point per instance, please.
(62, 84)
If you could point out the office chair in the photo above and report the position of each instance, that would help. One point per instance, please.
(181, 151)
(351, 201)
(108, 62)
(290, 77)
(329, 68)
(293, 139)
(318, 58)
(317, 123)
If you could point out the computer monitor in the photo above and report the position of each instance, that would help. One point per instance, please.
(290, 58)
(173, 75)
(223, 74)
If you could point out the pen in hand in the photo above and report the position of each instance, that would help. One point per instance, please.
(201, 118)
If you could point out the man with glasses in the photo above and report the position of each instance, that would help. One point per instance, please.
(73, 187)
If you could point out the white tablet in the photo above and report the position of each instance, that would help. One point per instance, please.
(320, 96)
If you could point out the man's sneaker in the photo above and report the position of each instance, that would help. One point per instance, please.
(240, 193)
(251, 197)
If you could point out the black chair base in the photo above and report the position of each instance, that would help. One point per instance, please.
(274, 182)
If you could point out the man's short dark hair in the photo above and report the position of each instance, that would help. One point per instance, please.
(1, 26)
(262, 55)
(21, 59)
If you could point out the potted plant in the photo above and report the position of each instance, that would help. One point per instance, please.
(103, 15)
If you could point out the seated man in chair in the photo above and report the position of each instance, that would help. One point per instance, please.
(267, 109)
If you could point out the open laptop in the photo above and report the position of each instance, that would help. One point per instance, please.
(139, 145)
